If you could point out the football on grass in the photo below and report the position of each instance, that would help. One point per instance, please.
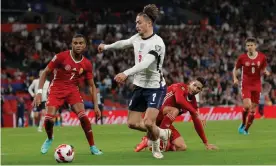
(64, 153)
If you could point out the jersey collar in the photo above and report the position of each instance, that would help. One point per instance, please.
(148, 37)
(74, 59)
(254, 56)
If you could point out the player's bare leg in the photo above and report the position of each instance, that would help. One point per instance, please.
(78, 108)
(155, 132)
(246, 109)
(35, 117)
(49, 125)
(251, 117)
(152, 131)
(135, 121)
(41, 122)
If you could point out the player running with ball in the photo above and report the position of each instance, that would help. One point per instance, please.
(150, 90)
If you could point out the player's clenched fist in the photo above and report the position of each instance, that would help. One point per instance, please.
(101, 48)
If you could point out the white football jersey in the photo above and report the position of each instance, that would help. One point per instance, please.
(151, 77)
(34, 87)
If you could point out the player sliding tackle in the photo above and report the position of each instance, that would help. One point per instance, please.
(180, 99)
(148, 95)
(253, 65)
(68, 67)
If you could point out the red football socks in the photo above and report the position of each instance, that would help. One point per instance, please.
(49, 125)
(244, 117)
(167, 121)
(251, 117)
(86, 126)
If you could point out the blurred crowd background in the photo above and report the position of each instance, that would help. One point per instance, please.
(202, 37)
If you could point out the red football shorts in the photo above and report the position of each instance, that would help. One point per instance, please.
(253, 95)
(175, 133)
(57, 97)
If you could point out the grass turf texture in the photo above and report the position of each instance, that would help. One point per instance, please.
(22, 145)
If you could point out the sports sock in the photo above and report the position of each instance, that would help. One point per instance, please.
(49, 125)
(86, 126)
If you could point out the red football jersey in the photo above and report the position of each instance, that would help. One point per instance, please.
(170, 99)
(67, 71)
(251, 70)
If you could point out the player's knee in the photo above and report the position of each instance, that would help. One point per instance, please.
(182, 147)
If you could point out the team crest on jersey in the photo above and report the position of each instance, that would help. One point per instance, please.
(81, 71)
(247, 64)
(258, 63)
(158, 48)
(67, 67)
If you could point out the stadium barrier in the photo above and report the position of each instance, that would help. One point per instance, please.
(120, 116)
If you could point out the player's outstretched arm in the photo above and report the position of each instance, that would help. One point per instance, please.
(145, 63)
(117, 45)
(93, 93)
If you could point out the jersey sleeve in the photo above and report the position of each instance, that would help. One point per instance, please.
(140, 66)
(194, 102)
(157, 49)
(239, 63)
(121, 43)
(180, 98)
(31, 89)
(89, 71)
(55, 62)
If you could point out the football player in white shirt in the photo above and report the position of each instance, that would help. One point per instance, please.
(40, 110)
(150, 85)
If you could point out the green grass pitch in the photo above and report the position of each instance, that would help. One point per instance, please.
(22, 145)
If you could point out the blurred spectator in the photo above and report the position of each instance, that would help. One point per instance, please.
(20, 112)
(191, 50)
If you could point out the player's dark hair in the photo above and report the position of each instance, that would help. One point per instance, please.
(150, 11)
(251, 39)
(201, 80)
(79, 36)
